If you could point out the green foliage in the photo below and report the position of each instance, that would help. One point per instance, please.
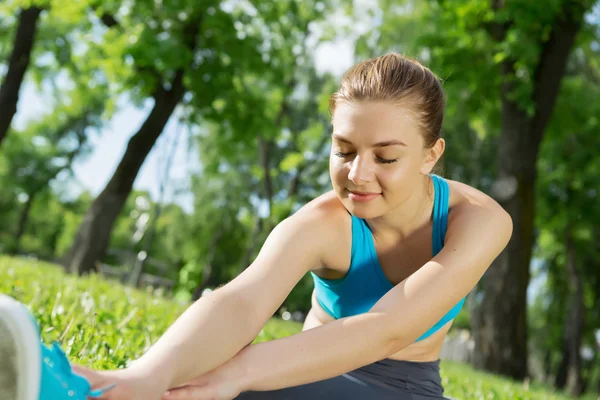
(42, 237)
(464, 382)
(462, 320)
(569, 184)
(100, 324)
(41, 155)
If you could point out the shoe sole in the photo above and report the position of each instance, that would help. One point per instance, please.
(20, 352)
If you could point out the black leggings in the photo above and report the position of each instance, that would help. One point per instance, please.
(383, 380)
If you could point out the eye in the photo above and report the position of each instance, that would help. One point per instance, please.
(340, 154)
(386, 161)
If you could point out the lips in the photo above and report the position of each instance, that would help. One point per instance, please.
(362, 196)
(362, 193)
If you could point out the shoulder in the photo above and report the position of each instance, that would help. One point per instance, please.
(466, 201)
(474, 213)
(325, 216)
(322, 224)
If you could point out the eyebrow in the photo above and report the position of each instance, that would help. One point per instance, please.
(386, 143)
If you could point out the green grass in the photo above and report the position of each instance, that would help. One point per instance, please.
(104, 325)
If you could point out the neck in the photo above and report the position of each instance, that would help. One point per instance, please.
(411, 215)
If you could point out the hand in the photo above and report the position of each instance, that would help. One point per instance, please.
(219, 384)
(130, 385)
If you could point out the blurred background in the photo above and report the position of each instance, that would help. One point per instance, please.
(157, 143)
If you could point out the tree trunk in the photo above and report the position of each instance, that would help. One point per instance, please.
(264, 154)
(548, 365)
(575, 324)
(296, 181)
(140, 264)
(17, 66)
(265, 163)
(93, 236)
(561, 373)
(588, 378)
(207, 271)
(501, 321)
(570, 370)
(23, 221)
(256, 231)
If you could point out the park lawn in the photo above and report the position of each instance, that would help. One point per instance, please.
(103, 324)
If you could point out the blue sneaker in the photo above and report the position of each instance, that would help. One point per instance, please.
(29, 370)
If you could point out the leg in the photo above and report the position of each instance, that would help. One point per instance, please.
(342, 387)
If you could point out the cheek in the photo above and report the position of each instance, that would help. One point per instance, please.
(390, 180)
(337, 170)
(395, 180)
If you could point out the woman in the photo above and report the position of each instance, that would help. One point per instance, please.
(393, 250)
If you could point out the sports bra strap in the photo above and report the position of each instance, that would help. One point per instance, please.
(440, 212)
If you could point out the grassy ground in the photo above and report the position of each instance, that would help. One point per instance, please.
(102, 324)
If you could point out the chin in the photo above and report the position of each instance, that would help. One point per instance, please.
(363, 211)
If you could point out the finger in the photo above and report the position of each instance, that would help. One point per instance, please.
(93, 377)
(200, 381)
(98, 380)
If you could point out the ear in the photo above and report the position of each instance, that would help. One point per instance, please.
(432, 155)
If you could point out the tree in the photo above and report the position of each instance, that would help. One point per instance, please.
(249, 184)
(172, 61)
(150, 233)
(568, 169)
(35, 157)
(24, 40)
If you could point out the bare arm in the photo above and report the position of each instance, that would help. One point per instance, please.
(396, 321)
(217, 326)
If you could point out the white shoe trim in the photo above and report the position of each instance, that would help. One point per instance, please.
(29, 360)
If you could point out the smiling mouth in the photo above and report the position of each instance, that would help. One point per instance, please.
(362, 193)
(362, 196)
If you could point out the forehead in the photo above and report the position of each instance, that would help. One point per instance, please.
(372, 122)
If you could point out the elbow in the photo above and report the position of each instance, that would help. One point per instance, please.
(390, 337)
(392, 344)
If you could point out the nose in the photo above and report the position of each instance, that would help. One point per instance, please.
(360, 171)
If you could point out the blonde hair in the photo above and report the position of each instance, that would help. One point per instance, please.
(401, 80)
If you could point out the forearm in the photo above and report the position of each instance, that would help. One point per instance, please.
(208, 334)
(320, 353)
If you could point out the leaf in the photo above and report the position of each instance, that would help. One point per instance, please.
(291, 162)
(499, 57)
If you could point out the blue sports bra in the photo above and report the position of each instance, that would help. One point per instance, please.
(365, 282)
